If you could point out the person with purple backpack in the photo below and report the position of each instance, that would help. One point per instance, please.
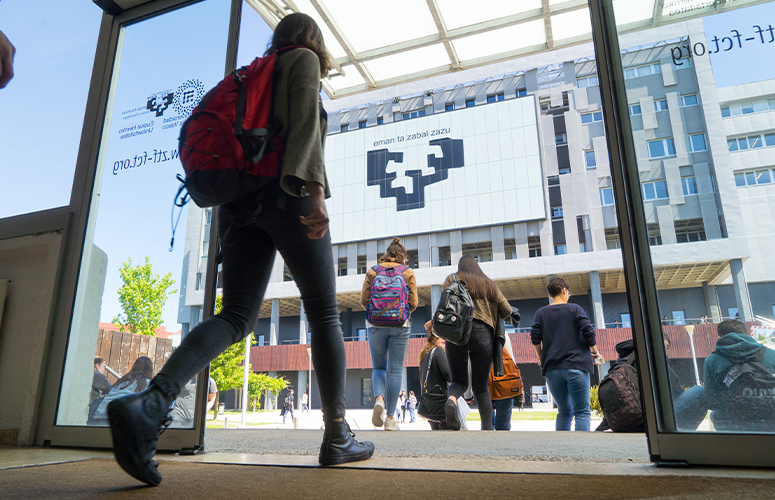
(389, 296)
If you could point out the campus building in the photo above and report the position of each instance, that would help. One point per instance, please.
(704, 156)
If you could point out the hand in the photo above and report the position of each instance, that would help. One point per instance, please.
(7, 51)
(429, 326)
(317, 219)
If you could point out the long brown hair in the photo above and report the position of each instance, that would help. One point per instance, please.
(141, 371)
(430, 339)
(301, 29)
(479, 286)
(396, 252)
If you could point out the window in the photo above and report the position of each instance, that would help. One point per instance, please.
(689, 100)
(362, 124)
(414, 114)
(556, 213)
(660, 105)
(748, 107)
(560, 249)
(753, 178)
(592, 117)
(655, 237)
(344, 127)
(367, 393)
(341, 267)
(198, 281)
(380, 120)
(606, 196)
(589, 159)
(287, 276)
(450, 106)
(521, 92)
(769, 139)
(654, 190)
(679, 318)
(689, 230)
(534, 246)
(361, 266)
(362, 334)
(626, 320)
(750, 142)
(496, 97)
(650, 69)
(689, 186)
(553, 180)
(582, 247)
(733, 312)
(635, 109)
(612, 239)
(564, 170)
(586, 81)
(696, 143)
(470, 103)
(661, 148)
(560, 139)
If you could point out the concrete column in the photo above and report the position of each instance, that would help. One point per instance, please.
(434, 256)
(269, 403)
(520, 240)
(302, 325)
(274, 325)
(352, 259)
(455, 246)
(371, 253)
(424, 251)
(435, 296)
(301, 386)
(597, 299)
(498, 252)
(711, 302)
(741, 290)
(347, 322)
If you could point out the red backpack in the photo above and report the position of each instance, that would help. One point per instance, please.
(229, 144)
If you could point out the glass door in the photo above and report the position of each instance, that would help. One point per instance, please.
(691, 100)
(129, 301)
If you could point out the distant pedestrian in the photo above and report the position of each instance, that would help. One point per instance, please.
(304, 402)
(135, 381)
(100, 387)
(288, 408)
(401, 406)
(665, 321)
(411, 405)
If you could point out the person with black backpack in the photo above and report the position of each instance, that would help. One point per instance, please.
(739, 378)
(389, 296)
(481, 346)
(287, 213)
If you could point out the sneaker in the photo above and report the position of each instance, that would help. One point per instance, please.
(136, 421)
(340, 447)
(391, 425)
(379, 414)
(453, 417)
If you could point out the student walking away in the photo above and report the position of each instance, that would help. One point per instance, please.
(100, 387)
(304, 402)
(504, 390)
(288, 406)
(564, 340)
(401, 408)
(739, 381)
(482, 348)
(286, 214)
(135, 381)
(411, 406)
(389, 296)
(7, 51)
(434, 379)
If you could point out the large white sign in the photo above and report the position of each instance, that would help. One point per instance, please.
(473, 167)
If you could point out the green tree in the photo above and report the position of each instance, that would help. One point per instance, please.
(260, 383)
(142, 297)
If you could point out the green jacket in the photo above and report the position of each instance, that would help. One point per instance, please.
(302, 125)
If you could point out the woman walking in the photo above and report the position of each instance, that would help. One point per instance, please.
(564, 340)
(288, 214)
(434, 379)
(389, 296)
(488, 303)
(136, 380)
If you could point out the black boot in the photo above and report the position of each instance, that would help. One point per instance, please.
(339, 447)
(135, 423)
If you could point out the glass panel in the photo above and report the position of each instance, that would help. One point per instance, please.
(729, 271)
(128, 296)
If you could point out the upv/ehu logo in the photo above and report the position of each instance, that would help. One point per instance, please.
(184, 99)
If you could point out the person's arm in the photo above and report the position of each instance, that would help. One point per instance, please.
(210, 402)
(504, 308)
(317, 219)
(536, 336)
(441, 362)
(7, 51)
(101, 383)
(587, 331)
(411, 284)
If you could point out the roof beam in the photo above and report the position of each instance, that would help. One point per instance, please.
(659, 6)
(436, 14)
(547, 11)
(348, 48)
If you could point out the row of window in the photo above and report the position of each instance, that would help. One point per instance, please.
(661, 104)
(751, 142)
(748, 107)
(661, 148)
(656, 190)
(629, 73)
(754, 177)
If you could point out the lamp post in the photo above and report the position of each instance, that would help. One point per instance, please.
(309, 407)
(245, 380)
(690, 330)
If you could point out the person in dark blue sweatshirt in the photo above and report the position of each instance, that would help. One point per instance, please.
(564, 340)
(734, 347)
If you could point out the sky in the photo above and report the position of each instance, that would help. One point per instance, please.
(42, 111)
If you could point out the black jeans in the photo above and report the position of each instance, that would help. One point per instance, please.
(248, 250)
(479, 348)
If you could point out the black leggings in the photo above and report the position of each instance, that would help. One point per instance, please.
(479, 349)
(248, 251)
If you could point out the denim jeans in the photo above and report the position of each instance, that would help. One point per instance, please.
(388, 348)
(248, 251)
(501, 420)
(570, 390)
(411, 414)
(690, 408)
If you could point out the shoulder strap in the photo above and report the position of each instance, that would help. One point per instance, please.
(428, 372)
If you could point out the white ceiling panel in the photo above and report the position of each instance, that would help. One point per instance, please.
(407, 63)
(458, 13)
(331, 43)
(571, 24)
(502, 40)
(352, 78)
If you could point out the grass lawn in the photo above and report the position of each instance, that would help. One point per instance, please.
(522, 416)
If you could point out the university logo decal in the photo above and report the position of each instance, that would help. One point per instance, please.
(188, 96)
(389, 182)
(159, 102)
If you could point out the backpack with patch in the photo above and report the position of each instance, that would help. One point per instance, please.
(509, 385)
(750, 388)
(454, 315)
(229, 145)
(619, 396)
(389, 297)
